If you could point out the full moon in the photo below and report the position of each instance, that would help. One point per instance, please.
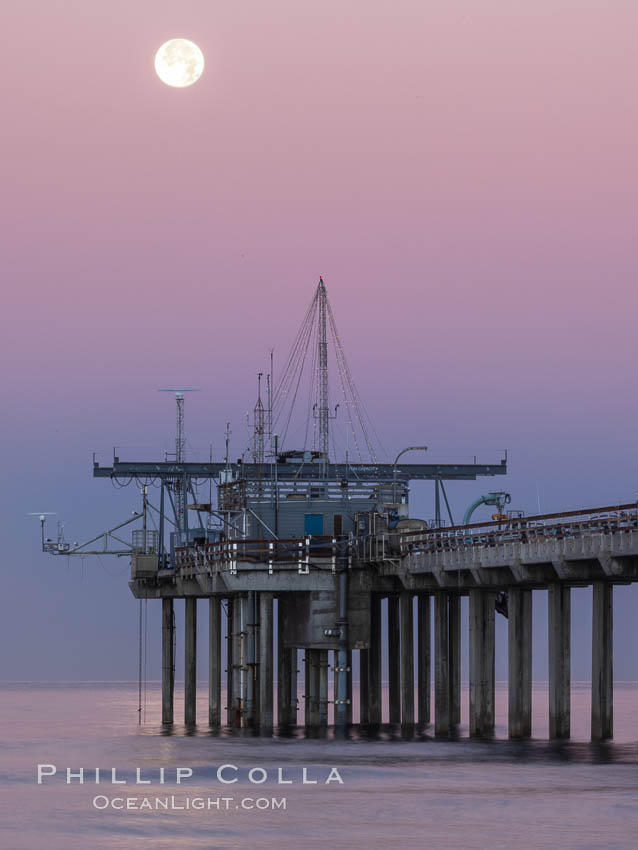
(179, 63)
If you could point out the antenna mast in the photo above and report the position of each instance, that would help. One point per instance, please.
(322, 344)
(179, 486)
(259, 423)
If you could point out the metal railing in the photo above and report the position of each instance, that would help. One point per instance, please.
(534, 529)
(225, 555)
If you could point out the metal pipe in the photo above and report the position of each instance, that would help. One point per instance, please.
(394, 467)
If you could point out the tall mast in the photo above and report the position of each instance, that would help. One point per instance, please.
(259, 422)
(322, 342)
(180, 483)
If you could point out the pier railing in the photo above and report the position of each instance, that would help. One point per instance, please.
(545, 528)
(542, 529)
(296, 554)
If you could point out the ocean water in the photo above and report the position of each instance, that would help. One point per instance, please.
(417, 793)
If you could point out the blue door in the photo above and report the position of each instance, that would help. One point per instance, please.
(313, 524)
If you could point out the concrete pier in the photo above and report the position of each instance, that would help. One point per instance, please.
(454, 614)
(349, 688)
(190, 660)
(286, 675)
(602, 670)
(311, 675)
(481, 663)
(238, 683)
(519, 662)
(229, 661)
(364, 692)
(374, 662)
(266, 662)
(168, 660)
(249, 629)
(394, 660)
(324, 669)
(407, 660)
(214, 661)
(423, 660)
(559, 604)
(441, 664)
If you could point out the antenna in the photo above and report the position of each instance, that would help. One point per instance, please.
(180, 452)
(322, 352)
(259, 425)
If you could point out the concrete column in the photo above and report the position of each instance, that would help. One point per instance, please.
(349, 688)
(168, 660)
(229, 662)
(423, 648)
(324, 667)
(394, 659)
(214, 661)
(293, 686)
(407, 660)
(312, 687)
(559, 603)
(190, 660)
(602, 670)
(364, 693)
(519, 662)
(249, 630)
(265, 662)
(238, 693)
(441, 665)
(284, 671)
(374, 663)
(454, 614)
(481, 663)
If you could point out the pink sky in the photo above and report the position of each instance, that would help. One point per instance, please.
(462, 174)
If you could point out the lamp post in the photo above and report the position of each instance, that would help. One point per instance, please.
(394, 467)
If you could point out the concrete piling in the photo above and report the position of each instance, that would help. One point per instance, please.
(394, 659)
(519, 662)
(214, 661)
(441, 664)
(312, 676)
(423, 660)
(324, 668)
(407, 660)
(364, 692)
(454, 638)
(266, 662)
(249, 632)
(374, 663)
(602, 674)
(237, 663)
(481, 663)
(190, 660)
(168, 660)
(229, 661)
(559, 601)
(286, 675)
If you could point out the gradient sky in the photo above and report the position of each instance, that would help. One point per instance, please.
(464, 177)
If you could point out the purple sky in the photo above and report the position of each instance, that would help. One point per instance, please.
(464, 178)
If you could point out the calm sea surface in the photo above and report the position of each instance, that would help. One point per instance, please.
(396, 793)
